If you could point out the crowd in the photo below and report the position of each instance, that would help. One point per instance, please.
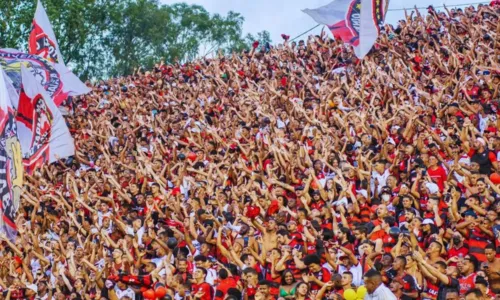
(293, 171)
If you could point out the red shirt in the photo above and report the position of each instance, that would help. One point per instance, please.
(203, 287)
(224, 286)
(467, 283)
(454, 252)
(438, 175)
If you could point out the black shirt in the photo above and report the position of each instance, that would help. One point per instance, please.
(453, 285)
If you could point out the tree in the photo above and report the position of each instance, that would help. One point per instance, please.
(101, 38)
(262, 37)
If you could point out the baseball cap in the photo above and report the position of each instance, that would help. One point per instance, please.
(32, 287)
(427, 222)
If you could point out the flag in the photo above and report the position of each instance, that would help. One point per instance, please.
(42, 40)
(11, 168)
(57, 80)
(356, 22)
(41, 128)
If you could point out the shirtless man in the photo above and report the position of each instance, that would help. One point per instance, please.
(493, 268)
(269, 235)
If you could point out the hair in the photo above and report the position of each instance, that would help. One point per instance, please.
(348, 273)
(372, 274)
(203, 270)
(475, 291)
(265, 282)
(283, 232)
(439, 244)
(475, 263)
(311, 259)
(283, 275)
(442, 264)
(223, 274)
(250, 271)
(233, 293)
(362, 229)
(244, 257)
(402, 259)
(301, 283)
(490, 247)
(390, 220)
(201, 258)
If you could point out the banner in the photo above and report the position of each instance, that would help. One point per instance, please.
(356, 22)
(42, 40)
(42, 131)
(11, 168)
(57, 80)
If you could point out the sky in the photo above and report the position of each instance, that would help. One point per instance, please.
(286, 16)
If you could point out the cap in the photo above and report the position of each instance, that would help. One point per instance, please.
(432, 187)
(427, 222)
(470, 213)
(32, 287)
(363, 193)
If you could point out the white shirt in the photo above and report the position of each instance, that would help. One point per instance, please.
(357, 273)
(382, 180)
(139, 233)
(123, 293)
(381, 293)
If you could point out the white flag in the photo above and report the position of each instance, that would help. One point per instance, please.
(42, 130)
(42, 40)
(356, 22)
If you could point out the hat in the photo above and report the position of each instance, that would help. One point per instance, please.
(481, 140)
(432, 187)
(362, 193)
(386, 190)
(470, 213)
(428, 222)
(391, 140)
(32, 287)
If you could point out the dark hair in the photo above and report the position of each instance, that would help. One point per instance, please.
(203, 270)
(402, 259)
(390, 220)
(475, 291)
(473, 260)
(491, 247)
(283, 275)
(301, 283)
(233, 293)
(250, 271)
(362, 229)
(312, 259)
(283, 232)
(265, 282)
(372, 274)
(223, 274)
(442, 264)
(348, 273)
(201, 258)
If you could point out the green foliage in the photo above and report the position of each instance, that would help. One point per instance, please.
(263, 38)
(101, 38)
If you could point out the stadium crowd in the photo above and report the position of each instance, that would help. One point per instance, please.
(293, 171)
